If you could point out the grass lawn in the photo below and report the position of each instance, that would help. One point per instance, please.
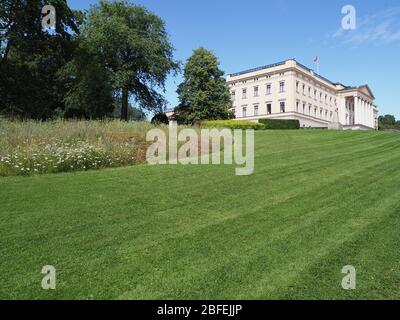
(318, 200)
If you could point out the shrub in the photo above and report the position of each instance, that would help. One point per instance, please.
(160, 118)
(280, 124)
(232, 124)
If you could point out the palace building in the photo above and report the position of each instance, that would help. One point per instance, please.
(290, 90)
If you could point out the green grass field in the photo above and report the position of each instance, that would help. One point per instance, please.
(318, 200)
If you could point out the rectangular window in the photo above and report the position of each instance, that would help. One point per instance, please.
(282, 86)
(244, 112)
(244, 93)
(304, 108)
(309, 92)
(304, 89)
(282, 105)
(233, 94)
(256, 110)
(315, 94)
(269, 108)
(297, 106)
(256, 91)
(268, 88)
(297, 86)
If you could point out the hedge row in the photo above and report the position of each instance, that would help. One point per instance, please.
(232, 124)
(280, 124)
(263, 124)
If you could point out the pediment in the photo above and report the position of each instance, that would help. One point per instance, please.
(365, 89)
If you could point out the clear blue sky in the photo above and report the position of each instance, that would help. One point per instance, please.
(246, 34)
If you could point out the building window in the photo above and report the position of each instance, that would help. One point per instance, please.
(244, 112)
(268, 88)
(233, 94)
(282, 105)
(315, 94)
(244, 93)
(256, 91)
(282, 86)
(256, 110)
(304, 108)
(304, 89)
(297, 106)
(315, 111)
(309, 92)
(269, 108)
(297, 86)
(309, 109)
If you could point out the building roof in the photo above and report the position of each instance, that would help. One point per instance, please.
(302, 66)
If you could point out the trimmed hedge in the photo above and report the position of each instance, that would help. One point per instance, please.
(232, 124)
(280, 124)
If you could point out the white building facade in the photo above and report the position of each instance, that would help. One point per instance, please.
(290, 90)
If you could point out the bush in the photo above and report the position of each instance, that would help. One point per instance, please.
(160, 118)
(232, 124)
(280, 124)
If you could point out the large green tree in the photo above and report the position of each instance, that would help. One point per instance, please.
(30, 57)
(134, 46)
(204, 94)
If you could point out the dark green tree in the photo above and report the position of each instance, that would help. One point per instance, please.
(160, 117)
(30, 57)
(89, 93)
(204, 94)
(134, 46)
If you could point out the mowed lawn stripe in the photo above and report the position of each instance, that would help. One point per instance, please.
(200, 231)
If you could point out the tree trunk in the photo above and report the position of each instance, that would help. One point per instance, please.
(125, 103)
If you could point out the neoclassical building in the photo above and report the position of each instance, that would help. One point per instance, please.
(290, 90)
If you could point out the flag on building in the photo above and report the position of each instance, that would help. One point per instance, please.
(316, 58)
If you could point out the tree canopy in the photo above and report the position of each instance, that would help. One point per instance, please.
(204, 94)
(87, 65)
(30, 57)
(133, 45)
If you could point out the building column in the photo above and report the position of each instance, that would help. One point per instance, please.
(356, 112)
(372, 115)
(369, 114)
(364, 112)
(341, 107)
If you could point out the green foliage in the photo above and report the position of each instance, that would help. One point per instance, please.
(232, 124)
(159, 118)
(280, 124)
(134, 114)
(204, 94)
(89, 88)
(388, 122)
(133, 45)
(30, 57)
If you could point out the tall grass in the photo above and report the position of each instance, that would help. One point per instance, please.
(31, 147)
